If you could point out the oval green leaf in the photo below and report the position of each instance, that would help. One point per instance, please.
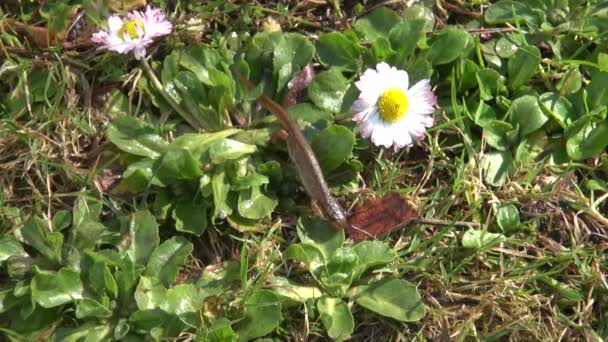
(132, 136)
(54, 289)
(336, 317)
(394, 298)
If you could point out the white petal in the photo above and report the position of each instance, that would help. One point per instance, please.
(360, 105)
(401, 137)
(154, 30)
(421, 98)
(367, 80)
(361, 116)
(114, 24)
(100, 37)
(367, 126)
(426, 120)
(136, 15)
(121, 48)
(394, 78)
(400, 79)
(139, 52)
(383, 68)
(381, 135)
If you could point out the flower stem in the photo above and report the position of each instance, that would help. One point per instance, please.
(189, 118)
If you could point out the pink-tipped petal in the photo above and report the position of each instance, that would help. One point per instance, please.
(421, 97)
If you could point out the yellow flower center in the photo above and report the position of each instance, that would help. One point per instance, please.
(393, 105)
(130, 28)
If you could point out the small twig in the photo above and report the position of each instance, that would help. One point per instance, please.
(460, 10)
(437, 222)
(380, 4)
(483, 30)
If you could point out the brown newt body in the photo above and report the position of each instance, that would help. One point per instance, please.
(306, 162)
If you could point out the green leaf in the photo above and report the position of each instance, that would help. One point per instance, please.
(333, 146)
(507, 46)
(97, 275)
(36, 234)
(126, 281)
(497, 133)
(587, 137)
(10, 246)
(523, 65)
(298, 293)
(221, 188)
(58, 16)
(405, 35)
(308, 253)
(490, 82)
(328, 90)
(121, 329)
(394, 298)
(340, 267)
(229, 149)
(251, 180)
(378, 23)
(89, 332)
(143, 232)
(381, 51)
(496, 166)
(422, 12)
(190, 217)
(336, 317)
(221, 331)
(468, 71)
(479, 239)
(166, 260)
(198, 144)
(195, 97)
(336, 49)
(291, 54)
(597, 90)
(558, 108)
(86, 209)
(372, 253)
(571, 82)
(132, 136)
(447, 45)
(262, 315)
(91, 308)
(147, 321)
(87, 234)
(526, 112)
(140, 175)
(509, 11)
(150, 293)
(320, 233)
(253, 204)
(218, 278)
(307, 115)
(54, 289)
(8, 300)
(564, 290)
(342, 260)
(185, 301)
(61, 220)
(531, 147)
(178, 163)
(507, 218)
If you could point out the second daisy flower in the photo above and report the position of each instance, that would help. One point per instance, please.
(390, 112)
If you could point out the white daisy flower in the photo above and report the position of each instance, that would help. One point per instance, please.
(388, 111)
(135, 33)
